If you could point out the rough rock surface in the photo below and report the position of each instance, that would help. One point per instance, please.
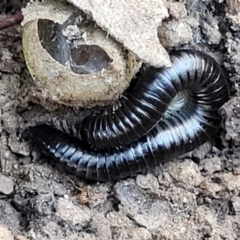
(5, 234)
(174, 33)
(133, 23)
(234, 12)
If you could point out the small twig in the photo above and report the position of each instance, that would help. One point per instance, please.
(10, 20)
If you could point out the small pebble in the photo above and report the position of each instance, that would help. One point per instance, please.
(6, 185)
(212, 165)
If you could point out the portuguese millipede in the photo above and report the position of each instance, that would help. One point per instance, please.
(147, 125)
(147, 102)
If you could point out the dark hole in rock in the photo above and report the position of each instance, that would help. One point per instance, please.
(84, 59)
(89, 58)
(51, 38)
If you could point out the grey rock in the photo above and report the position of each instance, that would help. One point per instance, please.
(6, 185)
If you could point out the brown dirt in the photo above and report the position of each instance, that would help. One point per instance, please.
(182, 199)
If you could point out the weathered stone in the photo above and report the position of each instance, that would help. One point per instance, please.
(186, 172)
(6, 185)
(133, 23)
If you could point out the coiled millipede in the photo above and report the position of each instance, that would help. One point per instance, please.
(148, 126)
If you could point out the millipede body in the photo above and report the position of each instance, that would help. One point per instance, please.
(144, 106)
(147, 126)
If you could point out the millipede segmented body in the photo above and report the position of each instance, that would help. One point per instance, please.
(168, 135)
(145, 105)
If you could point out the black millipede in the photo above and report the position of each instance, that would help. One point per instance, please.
(177, 132)
(138, 112)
